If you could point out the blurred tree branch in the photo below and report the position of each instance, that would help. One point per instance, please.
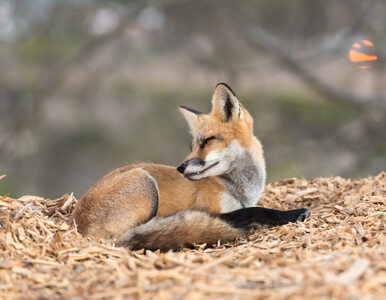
(371, 118)
(213, 39)
(263, 39)
(53, 79)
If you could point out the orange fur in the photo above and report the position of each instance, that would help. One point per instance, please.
(132, 195)
(122, 198)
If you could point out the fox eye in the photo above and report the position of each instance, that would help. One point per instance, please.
(205, 141)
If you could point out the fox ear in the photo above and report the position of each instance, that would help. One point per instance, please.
(190, 115)
(225, 104)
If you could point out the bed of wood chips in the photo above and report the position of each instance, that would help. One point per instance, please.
(339, 252)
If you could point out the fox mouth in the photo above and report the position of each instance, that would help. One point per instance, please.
(189, 175)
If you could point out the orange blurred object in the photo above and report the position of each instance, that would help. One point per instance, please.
(362, 54)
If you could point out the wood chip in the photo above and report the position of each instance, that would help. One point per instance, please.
(354, 271)
(338, 253)
(306, 192)
(69, 200)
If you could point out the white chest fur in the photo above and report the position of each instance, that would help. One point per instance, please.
(244, 184)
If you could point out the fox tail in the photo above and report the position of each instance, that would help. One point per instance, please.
(189, 227)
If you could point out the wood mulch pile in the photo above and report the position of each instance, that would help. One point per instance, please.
(339, 252)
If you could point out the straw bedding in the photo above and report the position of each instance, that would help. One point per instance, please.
(339, 252)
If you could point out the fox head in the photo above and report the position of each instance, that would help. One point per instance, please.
(219, 138)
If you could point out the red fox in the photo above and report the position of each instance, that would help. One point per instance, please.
(210, 196)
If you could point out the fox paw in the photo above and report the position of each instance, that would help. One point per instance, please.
(304, 213)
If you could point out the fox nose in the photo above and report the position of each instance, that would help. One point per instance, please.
(181, 168)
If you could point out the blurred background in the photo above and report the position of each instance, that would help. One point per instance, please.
(87, 86)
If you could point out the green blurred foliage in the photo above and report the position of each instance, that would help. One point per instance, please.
(87, 86)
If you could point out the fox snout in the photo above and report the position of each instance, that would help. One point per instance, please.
(181, 168)
(196, 162)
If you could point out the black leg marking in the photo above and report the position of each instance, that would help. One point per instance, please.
(245, 217)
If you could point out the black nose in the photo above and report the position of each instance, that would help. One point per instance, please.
(181, 168)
